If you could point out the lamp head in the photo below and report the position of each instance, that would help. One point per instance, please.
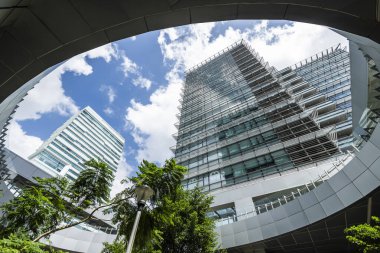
(143, 193)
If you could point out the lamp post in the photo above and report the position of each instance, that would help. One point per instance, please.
(143, 193)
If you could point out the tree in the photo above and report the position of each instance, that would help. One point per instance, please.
(21, 244)
(53, 203)
(365, 237)
(174, 220)
(188, 229)
(37, 209)
(93, 185)
(115, 247)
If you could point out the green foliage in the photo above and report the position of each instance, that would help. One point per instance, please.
(92, 187)
(187, 229)
(163, 180)
(174, 220)
(365, 237)
(37, 209)
(115, 247)
(21, 244)
(41, 209)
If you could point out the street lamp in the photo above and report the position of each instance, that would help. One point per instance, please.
(143, 193)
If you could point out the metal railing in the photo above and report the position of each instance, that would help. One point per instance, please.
(337, 166)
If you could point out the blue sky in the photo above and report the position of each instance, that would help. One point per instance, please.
(134, 84)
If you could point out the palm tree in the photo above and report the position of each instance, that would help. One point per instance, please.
(164, 181)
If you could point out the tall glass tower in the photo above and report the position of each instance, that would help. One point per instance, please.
(83, 137)
(249, 133)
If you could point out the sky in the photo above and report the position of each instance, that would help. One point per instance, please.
(134, 84)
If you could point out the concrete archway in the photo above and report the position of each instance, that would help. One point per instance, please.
(37, 34)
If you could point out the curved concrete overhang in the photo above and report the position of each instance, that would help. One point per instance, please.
(35, 35)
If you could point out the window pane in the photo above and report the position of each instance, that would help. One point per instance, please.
(223, 153)
(213, 155)
(233, 149)
(238, 169)
(251, 165)
(214, 177)
(244, 145)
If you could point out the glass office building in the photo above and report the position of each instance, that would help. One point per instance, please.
(83, 137)
(242, 121)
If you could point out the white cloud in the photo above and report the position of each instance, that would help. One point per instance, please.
(107, 52)
(21, 143)
(142, 82)
(110, 92)
(183, 47)
(124, 171)
(128, 66)
(133, 38)
(108, 111)
(153, 124)
(49, 96)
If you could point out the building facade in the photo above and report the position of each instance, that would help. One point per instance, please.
(251, 135)
(83, 137)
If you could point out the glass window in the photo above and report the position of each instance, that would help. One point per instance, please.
(193, 163)
(213, 155)
(280, 157)
(227, 172)
(261, 160)
(251, 165)
(233, 149)
(211, 139)
(239, 129)
(238, 169)
(214, 177)
(205, 179)
(244, 145)
(254, 141)
(247, 125)
(223, 153)
(270, 135)
(229, 133)
(269, 158)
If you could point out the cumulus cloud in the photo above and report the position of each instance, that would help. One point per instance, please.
(49, 96)
(21, 143)
(153, 123)
(130, 68)
(124, 171)
(142, 82)
(107, 52)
